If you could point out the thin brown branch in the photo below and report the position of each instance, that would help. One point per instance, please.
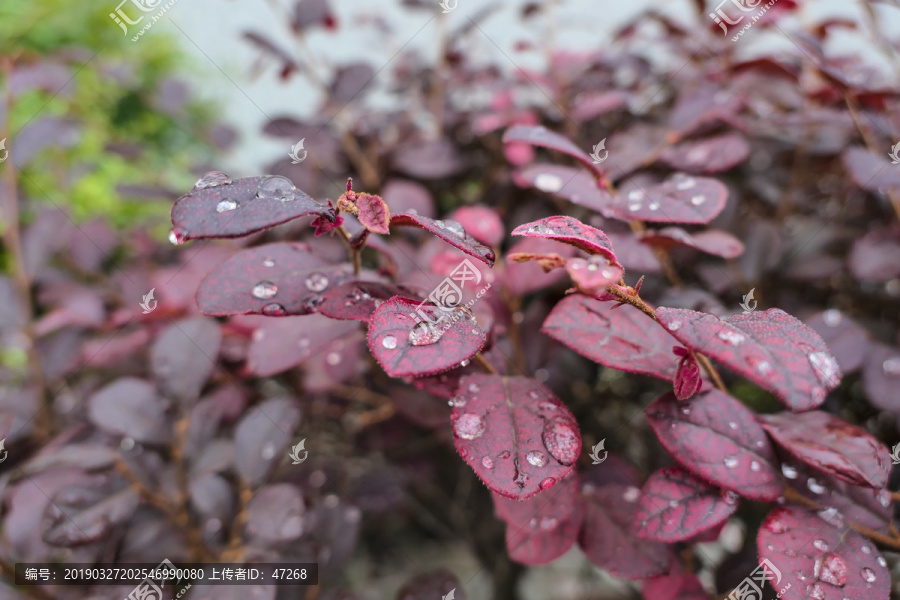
(355, 254)
(484, 364)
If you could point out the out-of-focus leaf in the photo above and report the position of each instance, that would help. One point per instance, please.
(130, 407)
(184, 356)
(82, 514)
(262, 437)
(276, 513)
(449, 231)
(679, 199)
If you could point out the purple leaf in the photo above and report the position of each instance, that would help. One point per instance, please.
(274, 280)
(675, 505)
(876, 256)
(544, 542)
(881, 377)
(130, 407)
(449, 231)
(357, 300)
(537, 135)
(572, 184)
(408, 345)
(262, 436)
(527, 277)
(870, 171)
(710, 155)
(622, 339)
(430, 159)
(680, 199)
(828, 443)
(569, 230)
(607, 536)
(280, 344)
(819, 556)
(311, 13)
(594, 275)
(772, 349)
(82, 514)
(184, 356)
(542, 511)
(515, 433)
(373, 213)
(716, 438)
(482, 223)
(847, 341)
(710, 241)
(276, 513)
(221, 208)
(350, 81)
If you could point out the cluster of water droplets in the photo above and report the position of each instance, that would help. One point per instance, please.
(425, 333)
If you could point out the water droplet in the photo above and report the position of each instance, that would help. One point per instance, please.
(126, 444)
(789, 471)
(754, 466)
(316, 282)
(884, 498)
(832, 317)
(455, 227)
(469, 426)
(686, 410)
(673, 503)
(562, 441)
(732, 337)
(698, 199)
(268, 451)
(547, 406)
(303, 343)
(212, 179)
(473, 388)
(686, 183)
(866, 550)
(891, 367)
(547, 182)
(547, 482)
(821, 544)
(731, 462)
(176, 238)
(674, 326)
(868, 575)
(826, 368)
(264, 290)
(275, 187)
(464, 363)
(487, 462)
(814, 486)
(634, 207)
(273, 310)
(653, 206)
(832, 516)
(775, 524)
(268, 263)
(505, 454)
(881, 561)
(458, 401)
(333, 359)
(730, 497)
(815, 592)
(548, 523)
(635, 195)
(631, 494)
(764, 367)
(732, 425)
(425, 333)
(537, 459)
(226, 205)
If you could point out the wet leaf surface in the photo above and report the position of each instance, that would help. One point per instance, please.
(623, 338)
(679, 199)
(569, 230)
(407, 348)
(482, 223)
(710, 241)
(241, 207)
(130, 407)
(280, 344)
(357, 300)
(262, 437)
(373, 213)
(184, 357)
(716, 438)
(544, 542)
(517, 436)
(274, 280)
(772, 349)
(846, 340)
(538, 135)
(576, 185)
(710, 155)
(831, 444)
(545, 510)
(674, 505)
(594, 275)
(449, 231)
(820, 557)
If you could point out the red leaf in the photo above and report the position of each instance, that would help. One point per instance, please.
(594, 275)
(772, 349)
(241, 207)
(543, 511)
(607, 538)
(274, 280)
(482, 223)
(537, 135)
(711, 241)
(820, 557)
(569, 230)
(881, 377)
(515, 433)
(675, 505)
(575, 185)
(525, 278)
(451, 232)
(405, 347)
(545, 542)
(622, 339)
(681, 586)
(357, 300)
(373, 213)
(687, 380)
(680, 199)
(828, 443)
(716, 438)
(714, 154)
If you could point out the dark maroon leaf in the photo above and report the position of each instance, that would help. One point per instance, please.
(310, 13)
(538, 135)
(130, 407)
(184, 356)
(434, 585)
(711, 241)
(431, 159)
(482, 223)
(410, 197)
(273, 280)
(81, 514)
(607, 536)
(687, 380)
(422, 409)
(847, 341)
(716, 438)
(679, 586)
(881, 377)
(819, 556)
(280, 344)
(262, 436)
(373, 213)
(407, 344)
(569, 230)
(674, 505)
(218, 207)
(622, 339)
(772, 349)
(702, 106)
(575, 185)
(679, 199)
(515, 433)
(350, 81)
(870, 171)
(276, 513)
(542, 511)
(707, 156)
(876, 256)
(357, 300)
(828, 443)
(451, 232)
(288, 65)
(543, 542)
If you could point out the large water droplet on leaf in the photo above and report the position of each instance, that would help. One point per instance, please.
(686, 183)
(547, 182)
(826, 368)
(212, 179)
(268, 263)
(547, 482)
(487, 462)
(455, 227)
(776, 524)
(562, 441)
(866, 550)
(820, 544)
(698, 199)
(226, 205)
(316, 282)
(674, 326)
(275, 188)
(881, 561)
(389, 342)
(789, 471)
(754, 466)
(469, 426)
(732, 337)
(730, 462)
(815, 592)
(868, 575)
(535, 458)
(264, 290)
(425, 333)
(176, 238)
(832, 569)
(273, 310)
(814, 486)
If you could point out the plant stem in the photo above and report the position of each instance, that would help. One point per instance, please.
(482, 361)
(355, 255)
